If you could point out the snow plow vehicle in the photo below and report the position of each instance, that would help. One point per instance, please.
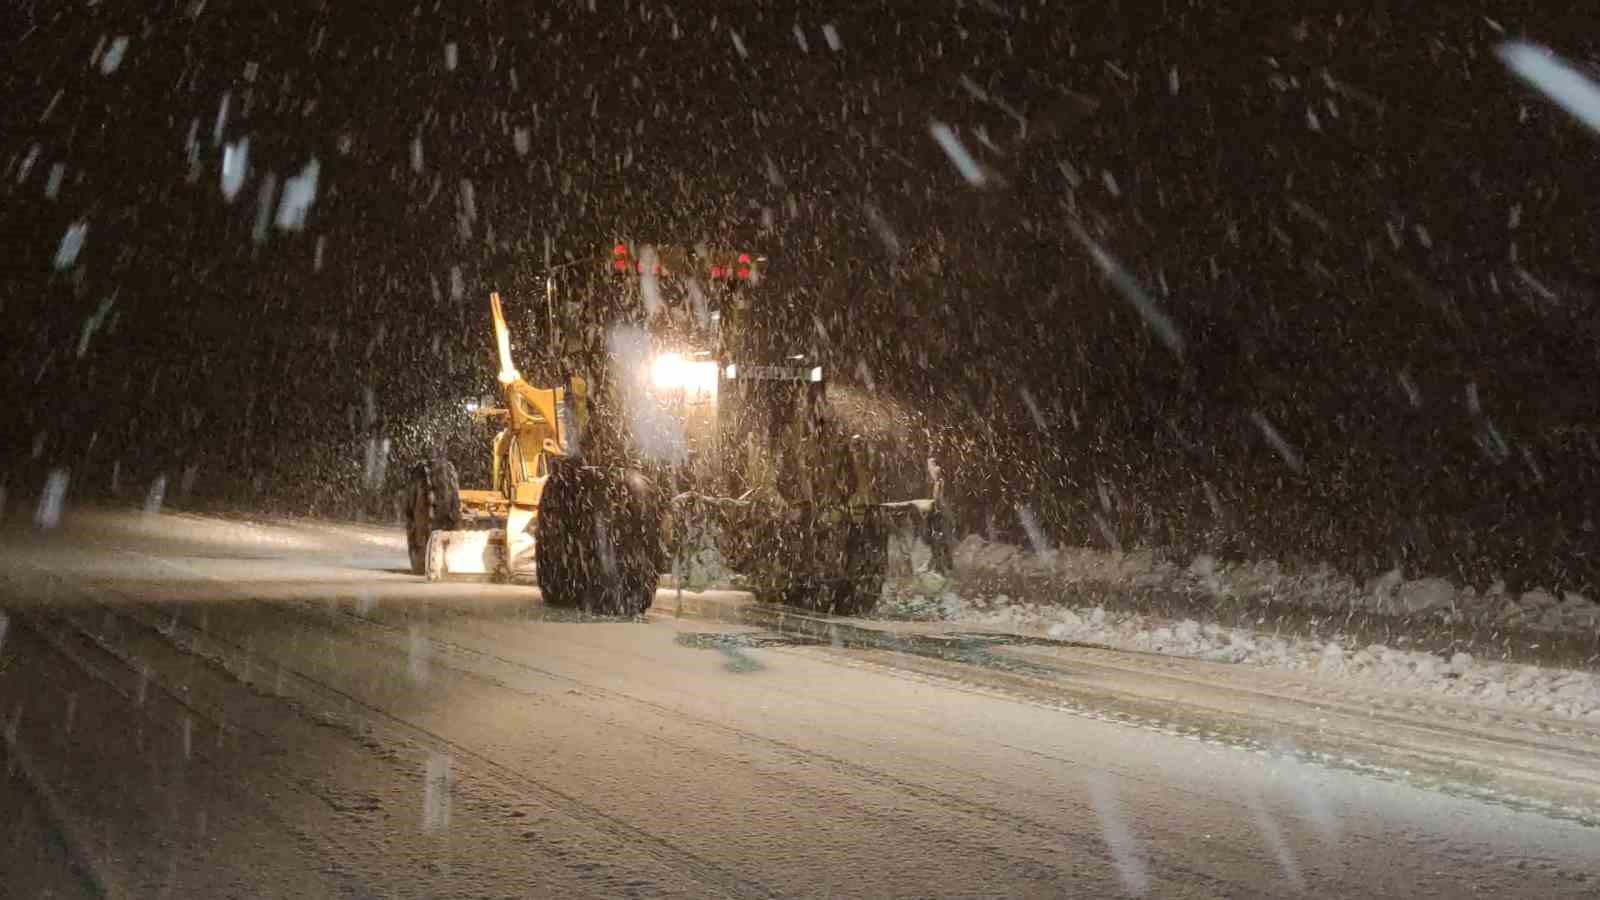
(678, 430)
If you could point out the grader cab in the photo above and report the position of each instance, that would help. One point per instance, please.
(676, 421)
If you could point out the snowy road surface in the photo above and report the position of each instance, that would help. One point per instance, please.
(195, 707)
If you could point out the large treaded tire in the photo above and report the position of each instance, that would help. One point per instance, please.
(849, 580)
(866, 562)
(599, 540)
(433, 504)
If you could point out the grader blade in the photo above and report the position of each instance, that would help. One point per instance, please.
(913, 537)
(466, 556)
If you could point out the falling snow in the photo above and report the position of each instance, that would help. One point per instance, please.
(299, 192)
(51, 499)
(71, 244)
(113, 55)
(235, 166)
(1567, 87)
(1154, 314)
(959, 157)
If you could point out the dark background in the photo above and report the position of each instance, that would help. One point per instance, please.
(1376, 245)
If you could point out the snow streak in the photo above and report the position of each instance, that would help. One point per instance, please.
(1566, 86)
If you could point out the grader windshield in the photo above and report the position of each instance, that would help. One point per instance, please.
(725, 362)
(688, 294)
(694, 300)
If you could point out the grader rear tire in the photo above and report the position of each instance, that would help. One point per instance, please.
(434, 504)
(852, 582)
(599, 539)
(866, 562)
(836, 568)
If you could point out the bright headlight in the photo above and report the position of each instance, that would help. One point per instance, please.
(671, 372)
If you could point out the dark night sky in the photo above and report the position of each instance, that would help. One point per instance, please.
(1335, 209)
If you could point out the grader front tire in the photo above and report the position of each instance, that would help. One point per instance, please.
(599, 539)
(434, 505)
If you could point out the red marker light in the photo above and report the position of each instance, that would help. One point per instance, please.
(716, 271)
(744, 271)
(620, 265)
(744, 258)
(619, 250)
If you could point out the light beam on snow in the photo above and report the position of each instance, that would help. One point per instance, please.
(1118, 837)
(235, 164)
(1566, 86)
(113, 56)
(450, 56)
(299, 192)
(738, 44)
(71, 244)
(1153, 316)
(959, 157)
(831, 35)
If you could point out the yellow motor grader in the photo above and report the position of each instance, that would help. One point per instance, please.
(705, 426)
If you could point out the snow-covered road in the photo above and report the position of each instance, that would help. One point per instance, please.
(210, 708)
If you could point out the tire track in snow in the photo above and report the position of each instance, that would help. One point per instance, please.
(399, 646)
(661, 851)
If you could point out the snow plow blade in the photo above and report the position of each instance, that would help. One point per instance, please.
(466, 556)
(916, 542)
(912, 532)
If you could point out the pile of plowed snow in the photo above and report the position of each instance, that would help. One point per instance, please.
(1320, 589)
(1571, 694)
(1565, 693)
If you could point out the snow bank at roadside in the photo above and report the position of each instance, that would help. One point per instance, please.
(1559, 692)
(1321, 588)
(1576, 695)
